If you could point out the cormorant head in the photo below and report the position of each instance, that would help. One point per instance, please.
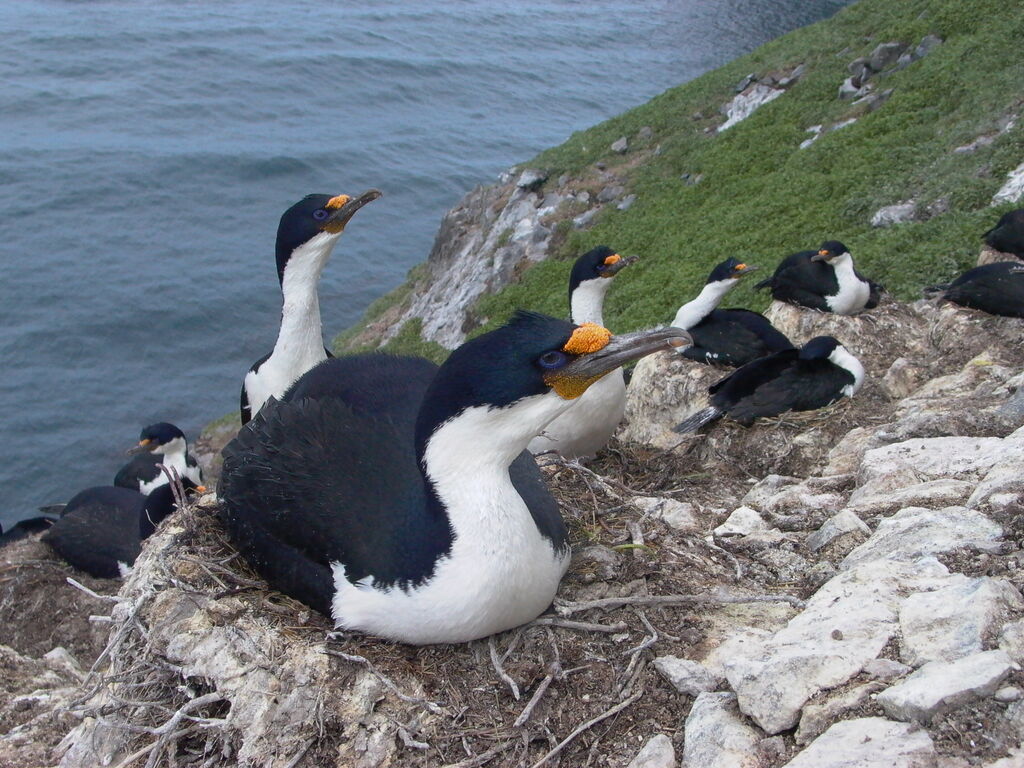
(730, 269)
(829, 250)
(598, 262)
(517, 378)
(155, 436)
(819, 348)
(316, 221)
(160, 503)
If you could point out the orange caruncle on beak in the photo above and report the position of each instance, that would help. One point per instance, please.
(613, 259)
(588, 337)
(336, 202)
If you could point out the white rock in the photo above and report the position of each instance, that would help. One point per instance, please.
(1013, 190)
(817, 717)
(1008, 693)
(894, 214)
(886, 669)
(680, 515)
(844, 625)
(658, 752)
(836, 526)
(716, 735)
(1004, 478)
(953, 621)
(1011, 640)
(870, 742)
(931, 493)
(689, 677)
(745, 104)
(742, 521)
(915, 532)
(940, 686)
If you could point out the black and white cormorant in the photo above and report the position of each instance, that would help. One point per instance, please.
(405, 507)
(1007, 235)
(102, 528)
(26, 527)
(158, 444)
(586, 427)
(730, 337)
(306, 236)
(804, 379)
(825, 280)
(994, 288)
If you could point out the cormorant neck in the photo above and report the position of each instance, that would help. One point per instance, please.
(843, 266)
(173, 449)
(696, 310)
(587, 300)
(849, 363)
(301, 335)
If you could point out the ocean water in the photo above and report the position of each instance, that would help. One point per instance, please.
(147, 149)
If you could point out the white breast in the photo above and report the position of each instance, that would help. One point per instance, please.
(588, 425)
(853, 292)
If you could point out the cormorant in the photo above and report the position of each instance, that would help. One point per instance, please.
(397, 510)
(824, 279)
(158, 444)
(1007, 235)
(805, 379)
(732, 337)
(306, 236)
(994, 288)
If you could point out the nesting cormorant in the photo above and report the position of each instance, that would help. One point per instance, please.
(804, 379)
(994, 288)
(730, 337)
(825, 280)
(1007, 235)
(26, 527)
(102, 528)
(158, 444)
(306, 236)
(392, 509)
(586, 427)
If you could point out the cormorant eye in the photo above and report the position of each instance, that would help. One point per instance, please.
(319, 214)
(553, 359)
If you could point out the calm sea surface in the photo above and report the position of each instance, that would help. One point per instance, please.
(147, 149)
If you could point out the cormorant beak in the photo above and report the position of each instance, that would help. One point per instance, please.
(142, 447)
(613, 264)
(742, 269)
(823, 255)
(572, 381)
(344, 207)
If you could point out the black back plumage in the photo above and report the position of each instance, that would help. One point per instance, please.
(799, 280)
(331, 474)
(994, 288)
(734, 337)
(26, 527)
(1008, 233)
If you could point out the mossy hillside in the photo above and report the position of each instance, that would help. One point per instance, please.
(761, 197)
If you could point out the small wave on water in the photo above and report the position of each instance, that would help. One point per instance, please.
(150, 147)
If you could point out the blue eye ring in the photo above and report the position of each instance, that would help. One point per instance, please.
(319, 214)
(553, 360)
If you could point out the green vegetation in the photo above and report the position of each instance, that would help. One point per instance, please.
(761, 197)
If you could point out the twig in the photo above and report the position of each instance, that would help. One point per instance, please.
(554, 673)
(567, 609)
(483, 758)
(409, 741)
(580, 626)
(97, 595)
(636, 534)
(496, 663)
(151, 746)
(300, 754)
(167, 729)
(634, 653)
(729, 555)
(388, 682)
(585, 726)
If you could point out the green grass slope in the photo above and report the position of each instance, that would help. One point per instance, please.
(761, 197)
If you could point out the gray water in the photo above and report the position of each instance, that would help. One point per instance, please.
(147, 149)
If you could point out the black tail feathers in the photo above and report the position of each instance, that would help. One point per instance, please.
(698, 420)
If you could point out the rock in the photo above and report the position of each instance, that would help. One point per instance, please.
(598, 561)
(915, 532)
(931, 493)
(850, 88)
(902, 378)
(870, 742)
(585, 219)
(898, 213)
(885, 56)
(1013, 189)
(1011, 640)
(742, 521)
(819, 715)
(886, 669)
(531, 179)
(839, 525)
(610, 193)
(626, 203)
(646, 133)
(940, 686)
(1008, 693)
(928, 44)
(688, 677)
(680, 515)
(716, 735)
(1003, 478)
(844, 625)
(746, 103)
(954, 620)
(745, 83)
(620, 145)
(658, 752)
